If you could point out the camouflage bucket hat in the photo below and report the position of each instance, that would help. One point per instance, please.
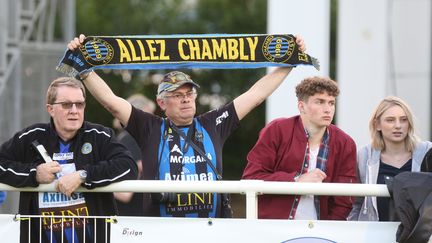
(174, 80)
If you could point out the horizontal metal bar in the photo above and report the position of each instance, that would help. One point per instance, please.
(241, 187)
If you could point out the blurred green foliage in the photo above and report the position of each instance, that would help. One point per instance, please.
(147, 17)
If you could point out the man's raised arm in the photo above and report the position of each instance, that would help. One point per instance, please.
(263, 88)
(117, 106)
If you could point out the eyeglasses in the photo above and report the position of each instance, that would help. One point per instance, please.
(68, 105)
(180, 96)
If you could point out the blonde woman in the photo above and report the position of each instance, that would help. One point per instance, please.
(394, 148)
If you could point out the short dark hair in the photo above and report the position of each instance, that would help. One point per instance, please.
(316, 85)
(51, 94)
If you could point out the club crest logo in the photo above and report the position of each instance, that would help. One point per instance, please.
(278, 48)
(86, 148)
(97, 52)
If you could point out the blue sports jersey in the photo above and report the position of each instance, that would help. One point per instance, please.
(167, 158)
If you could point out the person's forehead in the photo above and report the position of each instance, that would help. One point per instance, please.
(68, 92)
(323, 95)
(394, 111)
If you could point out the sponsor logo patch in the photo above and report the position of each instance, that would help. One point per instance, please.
(220, 118)
(63, 156)
(86, 148)
(176, 149)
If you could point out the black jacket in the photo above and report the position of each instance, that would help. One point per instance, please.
(426, 165)
(94, 150)
(412, 197)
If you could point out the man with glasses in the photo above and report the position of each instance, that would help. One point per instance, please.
(182, 146)
(73, 153)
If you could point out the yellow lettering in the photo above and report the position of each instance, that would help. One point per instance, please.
(179, 203)
(189, 198)
(124, 52)
(66, 214)
(143, 54)
(182, 54)
(54, 220)
(252, 46)
(97, 51)
(133, 52)
(232, 49)
(45, 218)
(194, 49)
(201, 199)
(70, 213)
(303, 57)
(152, 50)
(210, 195)
(206, 52)
(219, 50)
(290, 48)
(85, 210)
(162, 50)
(242, 50)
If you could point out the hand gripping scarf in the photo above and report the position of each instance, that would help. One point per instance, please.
(217, 51)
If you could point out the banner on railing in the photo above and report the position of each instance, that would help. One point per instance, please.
(138, 230)
(150, 229)
(10, 228)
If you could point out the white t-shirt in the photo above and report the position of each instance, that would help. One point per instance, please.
(306, 209)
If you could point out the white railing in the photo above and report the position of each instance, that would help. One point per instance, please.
(250, 188)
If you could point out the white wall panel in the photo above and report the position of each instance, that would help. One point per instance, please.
(384, 51)
(311, 20)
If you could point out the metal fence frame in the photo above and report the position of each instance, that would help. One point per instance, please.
(250, 188)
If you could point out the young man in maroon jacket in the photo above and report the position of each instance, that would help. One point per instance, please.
(305, 148)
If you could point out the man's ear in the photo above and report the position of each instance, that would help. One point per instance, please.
(49, 109)
(300, 106)
(161, 104)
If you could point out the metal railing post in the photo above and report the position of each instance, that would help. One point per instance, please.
(251, 205)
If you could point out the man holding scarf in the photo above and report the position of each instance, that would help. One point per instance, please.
(305, 148)
(182, 146)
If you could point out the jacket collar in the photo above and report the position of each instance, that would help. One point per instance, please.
(53, 130)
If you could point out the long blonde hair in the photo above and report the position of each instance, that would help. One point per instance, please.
(377, 140)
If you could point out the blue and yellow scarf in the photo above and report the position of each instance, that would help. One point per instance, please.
(216, 51)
